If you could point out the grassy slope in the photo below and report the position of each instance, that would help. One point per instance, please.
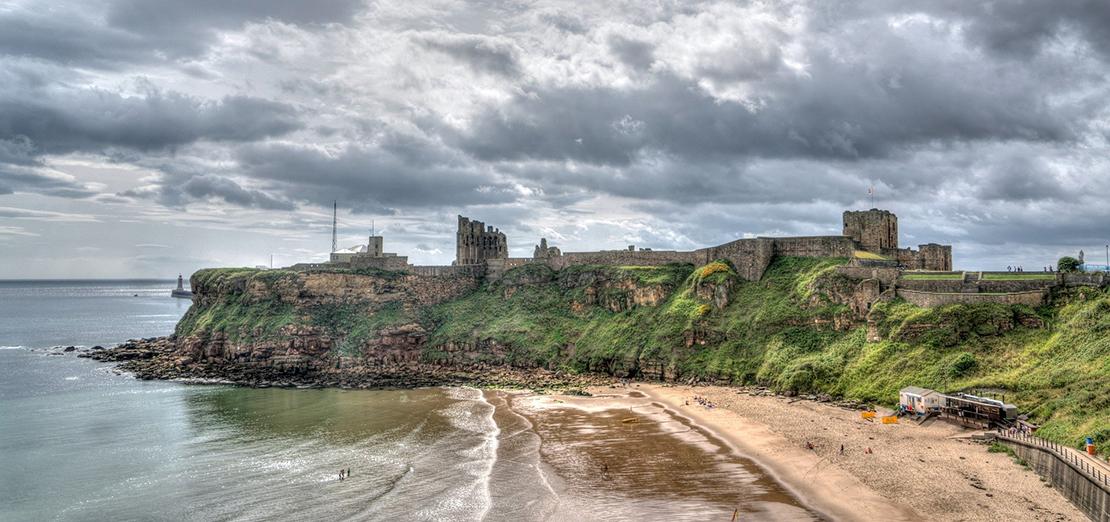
(237, 315)
(773, 333)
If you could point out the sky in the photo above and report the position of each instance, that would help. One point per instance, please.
(147, 138)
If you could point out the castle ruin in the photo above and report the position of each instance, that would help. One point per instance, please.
(483, 249)
(876, 231)
(475, 243)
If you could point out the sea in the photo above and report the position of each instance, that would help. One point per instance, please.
(81, 440)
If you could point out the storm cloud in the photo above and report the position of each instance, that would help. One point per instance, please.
(668, 125)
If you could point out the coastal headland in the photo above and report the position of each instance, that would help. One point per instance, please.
(856, 327)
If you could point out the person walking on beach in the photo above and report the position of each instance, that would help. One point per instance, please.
(841, 449)
(348, 472)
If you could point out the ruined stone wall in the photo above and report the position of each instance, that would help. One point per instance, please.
(932, 257)
(445, 271)
(935, 257)
(815, 246)
(1099, 279)
(394, 263)
(887, 276)
(873, 229)
(625, 258)
(750, 257)
(932, 299)
(495, 268)
(976, 286)
(475, 243)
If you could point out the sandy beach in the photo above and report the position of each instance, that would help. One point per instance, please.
(931, 472)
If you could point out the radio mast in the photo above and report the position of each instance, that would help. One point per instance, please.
(334, 223)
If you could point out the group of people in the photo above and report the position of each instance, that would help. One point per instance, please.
(1019, 268)
(344, 473)
(702, 401)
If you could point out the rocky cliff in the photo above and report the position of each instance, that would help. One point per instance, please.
(799, 329)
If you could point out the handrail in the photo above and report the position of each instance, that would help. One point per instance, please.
(1064, 453)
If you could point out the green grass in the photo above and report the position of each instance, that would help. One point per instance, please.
(863, 254)
(780, 331)
(911, 276)
(1019, 276)
(249, 304)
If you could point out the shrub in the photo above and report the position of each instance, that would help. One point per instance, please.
(1068, 264)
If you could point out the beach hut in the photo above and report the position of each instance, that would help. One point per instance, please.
(918, 400)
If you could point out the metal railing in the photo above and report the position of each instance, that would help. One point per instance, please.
(1079, 461)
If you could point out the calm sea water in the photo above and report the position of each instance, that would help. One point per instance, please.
(80, 442)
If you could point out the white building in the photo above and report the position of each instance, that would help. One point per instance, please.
(920, 400)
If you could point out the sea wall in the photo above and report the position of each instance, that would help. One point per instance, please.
(1083, 483)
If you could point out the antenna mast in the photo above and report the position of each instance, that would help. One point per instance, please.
(334, 222)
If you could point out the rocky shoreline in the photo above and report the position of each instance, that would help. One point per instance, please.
(157, 358)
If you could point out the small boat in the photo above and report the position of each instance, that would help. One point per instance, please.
(180, 291)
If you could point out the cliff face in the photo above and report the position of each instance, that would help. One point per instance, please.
(798, 329)
(304, 321)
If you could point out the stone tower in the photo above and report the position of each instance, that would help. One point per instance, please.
(475, 243)
(874, 230)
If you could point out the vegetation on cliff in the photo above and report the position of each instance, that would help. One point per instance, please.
(791, 331)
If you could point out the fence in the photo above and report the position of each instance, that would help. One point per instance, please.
(1070, 455)
(1083, 480)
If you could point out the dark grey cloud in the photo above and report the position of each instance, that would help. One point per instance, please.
(674, 124)
(838, 113)
(93, 119)
(400, 174)
(211, 186)
(483, 53)
(110, 34)
(1023, 27)
(636, 54)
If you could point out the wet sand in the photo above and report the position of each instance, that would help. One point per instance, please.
(628, 457)
(932, 472)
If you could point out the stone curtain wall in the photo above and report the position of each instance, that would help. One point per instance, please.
(447, 271)
(935, 257)
(625, 258)
(929, 257)
(934, 299)
(394, 263)
(750, 257)
(887, 276)
(816, 246)
(973, 287)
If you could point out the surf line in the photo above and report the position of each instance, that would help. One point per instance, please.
(492, 443)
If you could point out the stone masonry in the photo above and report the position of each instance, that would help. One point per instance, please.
(475, 243)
